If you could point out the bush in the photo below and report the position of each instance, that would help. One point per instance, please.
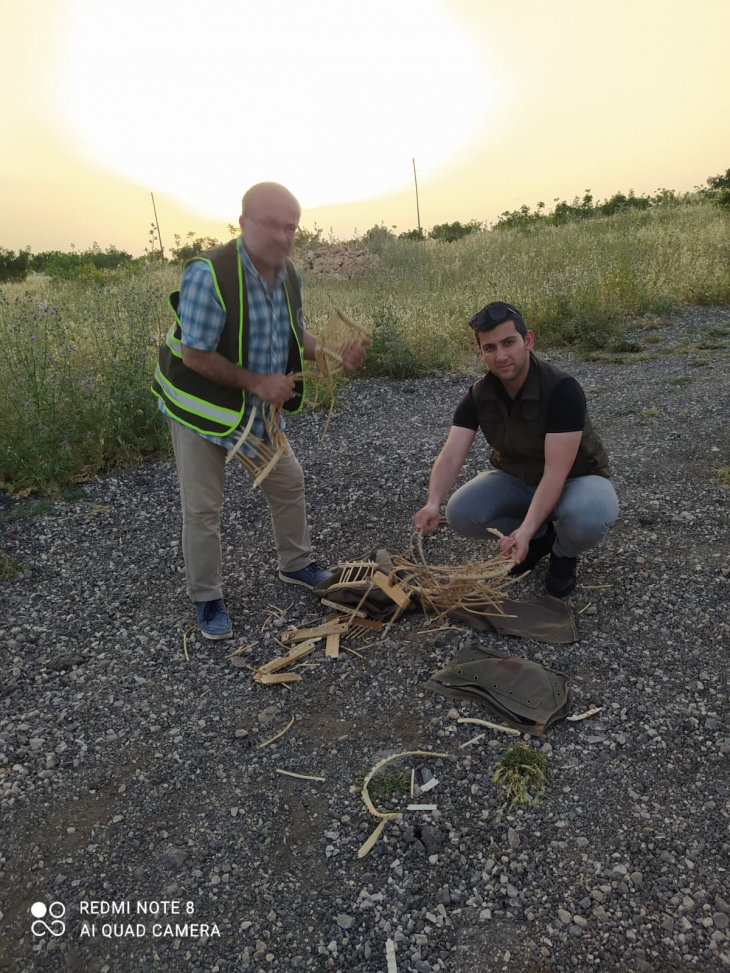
(412, 235)
(720, 186)
(192, 246)
(450, 232)
(14, 266)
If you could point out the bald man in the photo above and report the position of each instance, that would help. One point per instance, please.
(238, 334)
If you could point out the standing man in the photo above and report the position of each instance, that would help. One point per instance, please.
(550, 490)
(237, 337)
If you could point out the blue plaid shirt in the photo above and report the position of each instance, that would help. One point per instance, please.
(202, 319)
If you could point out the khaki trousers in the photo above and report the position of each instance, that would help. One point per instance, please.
(201, 473)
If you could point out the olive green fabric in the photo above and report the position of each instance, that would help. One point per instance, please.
(517, 437)
(197, 401)
(545, 619)
(520, 693)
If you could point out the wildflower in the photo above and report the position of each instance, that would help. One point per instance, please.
(27, 404)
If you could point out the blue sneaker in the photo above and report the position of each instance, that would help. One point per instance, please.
(213, 619)
(308, 577)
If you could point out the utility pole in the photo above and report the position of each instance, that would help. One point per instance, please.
(418, 208)
(157, 223)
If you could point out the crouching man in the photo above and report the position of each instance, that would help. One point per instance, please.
(550, 491)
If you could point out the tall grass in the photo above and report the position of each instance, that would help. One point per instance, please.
(581, 284)
(76, 359)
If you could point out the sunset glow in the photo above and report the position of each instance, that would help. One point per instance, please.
(245, 98)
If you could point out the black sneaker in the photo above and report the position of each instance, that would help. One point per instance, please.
(539, 547)
(561, 576)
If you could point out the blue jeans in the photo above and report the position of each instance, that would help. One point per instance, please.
(586, 509)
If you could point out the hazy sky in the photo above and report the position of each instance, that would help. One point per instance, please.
(500, 103)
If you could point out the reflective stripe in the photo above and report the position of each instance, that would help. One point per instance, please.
(198, 407)
(173, 343)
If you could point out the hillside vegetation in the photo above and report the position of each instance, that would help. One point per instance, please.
(77, 352)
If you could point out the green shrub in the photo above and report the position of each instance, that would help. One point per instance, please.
(14, 266)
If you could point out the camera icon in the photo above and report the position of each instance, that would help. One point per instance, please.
(56, 911)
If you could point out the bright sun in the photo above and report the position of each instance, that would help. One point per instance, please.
(331, 98)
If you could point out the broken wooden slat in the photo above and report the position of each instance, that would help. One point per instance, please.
(343, 608)
(286, 660)
(278, 678)
(332, 648)
(392, 590)
(318, 631)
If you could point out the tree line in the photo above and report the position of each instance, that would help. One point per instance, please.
(89, 265)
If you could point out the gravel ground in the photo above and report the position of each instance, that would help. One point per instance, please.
(131, 775)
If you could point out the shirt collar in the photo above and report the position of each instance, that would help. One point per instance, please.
(248, 265)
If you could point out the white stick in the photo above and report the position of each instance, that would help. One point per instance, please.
(290, 773)
(491, 726)
(584, 716)
(246, 431)
(475, 739)
(390, 956)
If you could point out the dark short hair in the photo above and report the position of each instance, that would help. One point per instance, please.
(494, 314)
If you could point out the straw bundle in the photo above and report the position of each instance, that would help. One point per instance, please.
(478, 586)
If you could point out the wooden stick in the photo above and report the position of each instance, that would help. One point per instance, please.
(332, 648)
(475, 739)
(232, 452)
(185, 640)
(370, 843)
(288, 727)
(241, 649)
(492, 726)
(289, 773)
(584, 716)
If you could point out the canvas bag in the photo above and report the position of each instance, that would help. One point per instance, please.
(520, 693)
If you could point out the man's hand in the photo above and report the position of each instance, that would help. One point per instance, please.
(353, 354)
(427, 519)
(276, 388)
(516, 544)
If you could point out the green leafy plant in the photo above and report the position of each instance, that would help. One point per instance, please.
(520, 770)
(451, 232)
(9, 567)
(723, 475)
(383, 789)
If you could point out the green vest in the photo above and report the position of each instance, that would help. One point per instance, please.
(518, 438)
(197, 401)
